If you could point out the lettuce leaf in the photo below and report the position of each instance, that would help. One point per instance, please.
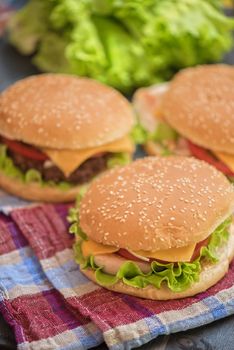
(51, 54)
(164, 132)
(27, 28)
(139, 134)
(124, 55)
(118, 159)
(7, 166)
(124, 43)
(32, 175)
(178, 277)
(73, 219)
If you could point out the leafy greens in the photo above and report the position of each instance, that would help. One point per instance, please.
(124, 43)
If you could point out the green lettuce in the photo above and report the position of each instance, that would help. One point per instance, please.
(32, 175)
(124, 43)
(161, 135)
(164, 132)
(29, 26)
(178, 277)
(118, 159)
(139, 134)
(124, 54)
(51, 54)
(73, 219)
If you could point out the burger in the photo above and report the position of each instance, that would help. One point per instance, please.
(191, 115)
(159, 228)
(58, 132)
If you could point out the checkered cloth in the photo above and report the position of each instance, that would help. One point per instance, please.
(51, 305)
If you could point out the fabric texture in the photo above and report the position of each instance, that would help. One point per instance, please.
(51, 305)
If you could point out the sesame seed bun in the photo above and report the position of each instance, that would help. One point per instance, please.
(209, 276)
(156, 203)
(64, 112)
(37, 192)
(199, 104)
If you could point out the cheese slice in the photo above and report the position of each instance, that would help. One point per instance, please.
(94, 248)
(69, 160)
(228, 159)
(171, 255)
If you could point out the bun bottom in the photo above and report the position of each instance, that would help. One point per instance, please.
(209, 276)
(36, 192)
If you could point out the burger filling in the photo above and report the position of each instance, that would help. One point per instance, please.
(50, 172)
(168, 142)
(178, 268)
(61, 168)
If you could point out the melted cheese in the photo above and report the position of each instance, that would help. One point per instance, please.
(69, 160)
(172, 255)
(94, 248)
(228, 159)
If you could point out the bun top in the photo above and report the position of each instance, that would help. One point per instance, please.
(200, 105)
(64, 112)
(156, 203)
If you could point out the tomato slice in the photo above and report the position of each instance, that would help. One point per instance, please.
(203, 154)
(125, 254)
(25, 150)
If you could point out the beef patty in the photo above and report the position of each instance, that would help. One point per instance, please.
(84, 173)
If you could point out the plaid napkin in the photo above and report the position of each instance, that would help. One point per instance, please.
(51, 305)
(37, 312)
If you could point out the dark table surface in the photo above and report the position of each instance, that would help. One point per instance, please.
(216, 336)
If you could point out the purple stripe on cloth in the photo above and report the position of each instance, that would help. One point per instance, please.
(17, 328)
(19, 240)
(44, 223)
(133, 303)
(54, 299)
(9, 239)
(62, 210)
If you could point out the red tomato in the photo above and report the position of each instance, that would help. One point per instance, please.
(125, 254)
(25, 150)
(203, 154)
